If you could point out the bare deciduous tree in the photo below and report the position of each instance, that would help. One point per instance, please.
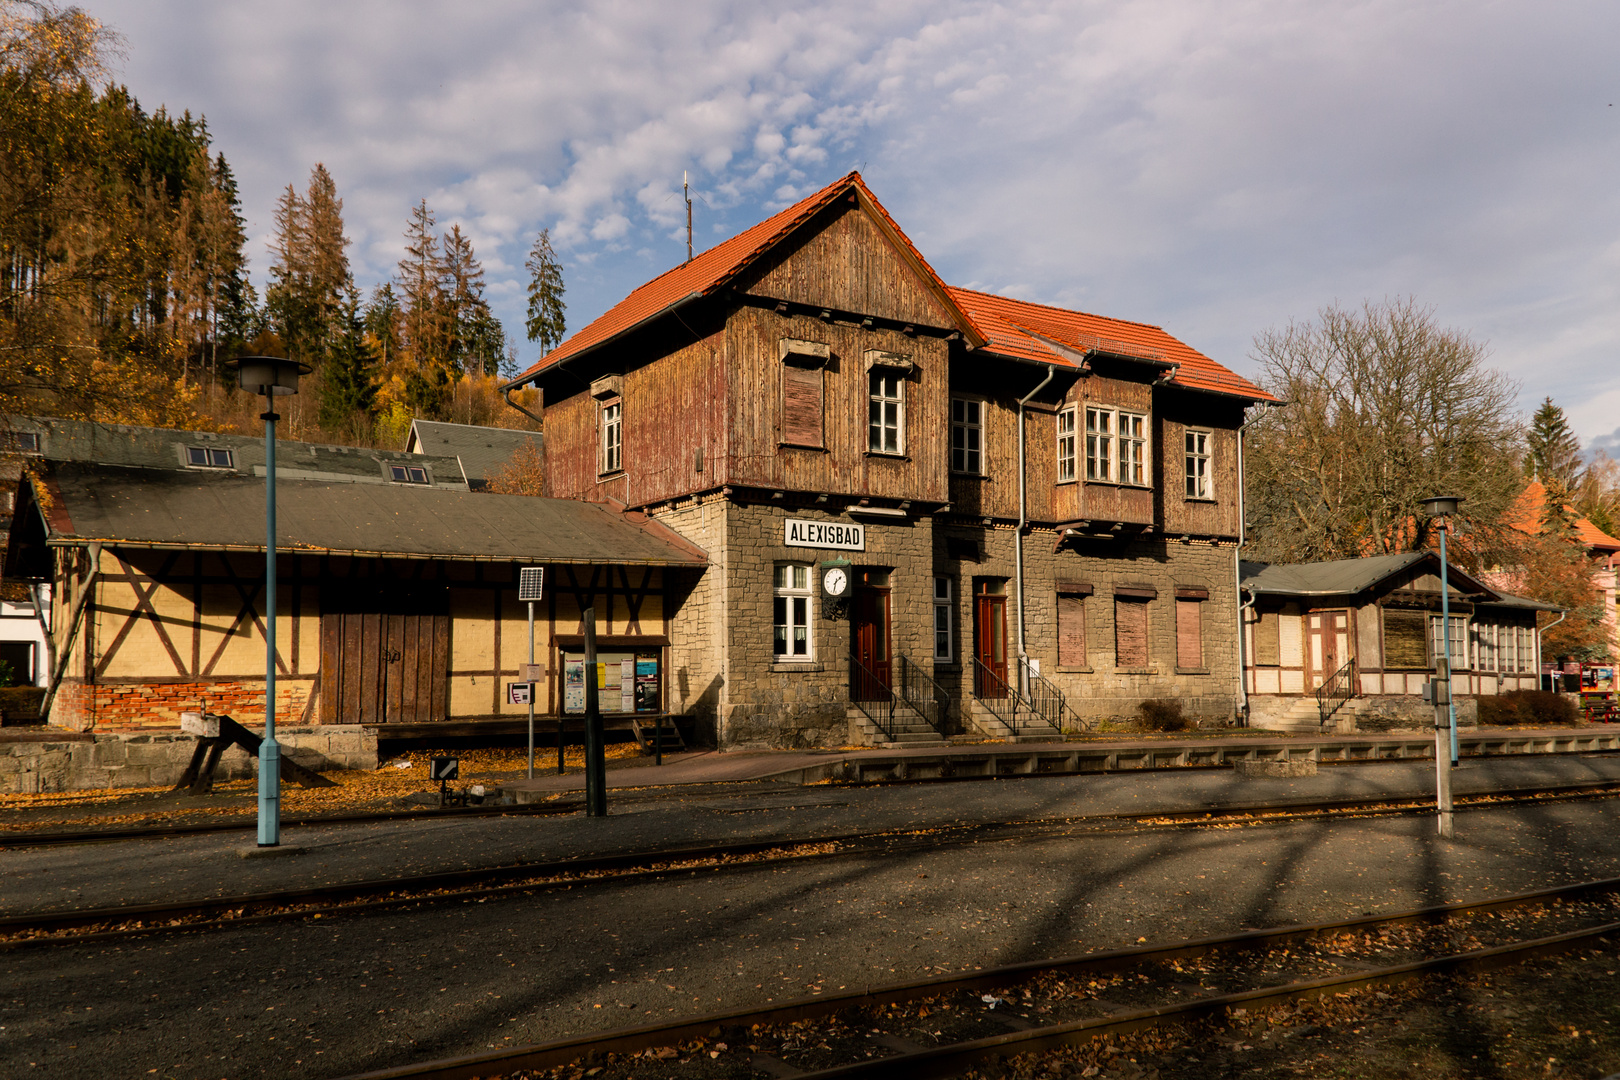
(1385, 408)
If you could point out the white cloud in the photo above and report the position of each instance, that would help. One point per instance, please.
(1217, 169)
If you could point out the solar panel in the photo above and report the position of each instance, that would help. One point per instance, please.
(530, 580)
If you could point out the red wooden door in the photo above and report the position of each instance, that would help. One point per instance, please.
(990, 645)
(1327, 645)
(869, 675)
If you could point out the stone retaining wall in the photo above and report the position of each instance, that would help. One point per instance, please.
(158, 758)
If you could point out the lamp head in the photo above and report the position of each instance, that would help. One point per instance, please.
(272, 376)
(1441, 505)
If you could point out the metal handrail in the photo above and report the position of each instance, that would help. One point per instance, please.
(915, 685)
(1048, 702)
(1337, 688)
(879, 710)
(992, 691)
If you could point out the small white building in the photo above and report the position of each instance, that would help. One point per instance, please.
(22, 633)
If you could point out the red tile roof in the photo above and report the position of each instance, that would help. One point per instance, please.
(1526, 516)
(711, 270)
(1012, 328)
(1022, 329)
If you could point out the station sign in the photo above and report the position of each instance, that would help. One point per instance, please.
(838, 535)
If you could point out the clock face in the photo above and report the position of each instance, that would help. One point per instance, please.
(835, 582)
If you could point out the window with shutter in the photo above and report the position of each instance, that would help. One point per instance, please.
(1189, 635)
(1071, 612)
(1267, 639)
(1404, 644)
(801, 406)
(1130, 632)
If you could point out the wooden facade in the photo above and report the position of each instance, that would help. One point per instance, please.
(807, 369)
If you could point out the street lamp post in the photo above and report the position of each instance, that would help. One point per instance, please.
(1445, 713)
(272, 377)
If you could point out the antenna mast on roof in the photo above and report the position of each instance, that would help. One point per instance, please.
(686, 193)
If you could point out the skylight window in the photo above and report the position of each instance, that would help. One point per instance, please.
(408, 474)
(208, 457)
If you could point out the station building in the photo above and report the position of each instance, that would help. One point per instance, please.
(397, 615)
(927, 510)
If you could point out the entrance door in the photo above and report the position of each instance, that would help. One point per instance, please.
(1327, 645)
(990, 645)
(387, 662)
(869, 677)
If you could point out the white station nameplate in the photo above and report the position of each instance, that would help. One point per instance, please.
(823, 534)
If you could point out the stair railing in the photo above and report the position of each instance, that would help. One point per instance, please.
(872, 696)
(992, 691)
(1335, 691)
(1047, 702)
(923, 695)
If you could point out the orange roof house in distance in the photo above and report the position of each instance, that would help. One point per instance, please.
(929, 511)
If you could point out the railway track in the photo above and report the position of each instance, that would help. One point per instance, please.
(91, 925)
(941, 1027)
(21, 839)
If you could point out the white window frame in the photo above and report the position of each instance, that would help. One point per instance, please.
(879, 402)
(793, 613)
(967, 436)
(944, 619)
(1458, 642)
(1068, 439)
(611, 436)
(1118, 446)
(1197, 463)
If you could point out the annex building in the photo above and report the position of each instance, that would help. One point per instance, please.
(926, 510)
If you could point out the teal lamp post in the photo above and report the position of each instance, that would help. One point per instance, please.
(1443, 507)
(272, 377)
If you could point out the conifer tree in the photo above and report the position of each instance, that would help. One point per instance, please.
(420, 275)
(1554, 451)
(347, 391)
(546, 325)
(309, 268)
(383, 322)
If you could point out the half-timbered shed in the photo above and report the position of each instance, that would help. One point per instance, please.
(397, 602)
(1353, 641)
(929, 510)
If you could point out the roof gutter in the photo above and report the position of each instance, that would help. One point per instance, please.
(668, 309)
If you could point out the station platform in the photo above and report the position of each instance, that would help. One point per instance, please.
(1070, 757)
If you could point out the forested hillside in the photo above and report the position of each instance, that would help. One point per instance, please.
(124, 280)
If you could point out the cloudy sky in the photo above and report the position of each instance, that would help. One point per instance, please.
(1215, 168)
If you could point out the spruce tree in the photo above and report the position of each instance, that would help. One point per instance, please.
(1555, 452)
(546, 325)
(347, 391)
(420, 277)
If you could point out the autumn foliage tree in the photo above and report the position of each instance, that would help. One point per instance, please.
(1384, 408)
(120, 237)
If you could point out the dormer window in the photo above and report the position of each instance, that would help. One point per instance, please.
(209, 457)
(408, 474)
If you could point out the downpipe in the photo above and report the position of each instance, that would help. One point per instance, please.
(1018, 535)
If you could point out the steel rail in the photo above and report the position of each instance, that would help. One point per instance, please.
(23, 839)
(928, 1062)
(54, 927)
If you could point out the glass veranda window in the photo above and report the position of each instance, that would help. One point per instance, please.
(1065, 445)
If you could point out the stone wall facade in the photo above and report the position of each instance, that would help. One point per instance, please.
(38, 763)
(1100, 688)
(725, 674)
(125, 706)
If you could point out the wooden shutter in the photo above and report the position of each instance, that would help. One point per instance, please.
(1189, 635)
(1071, 612)
(801, 405)
(1266, 640)
(1130, 632)
(1405, 640)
